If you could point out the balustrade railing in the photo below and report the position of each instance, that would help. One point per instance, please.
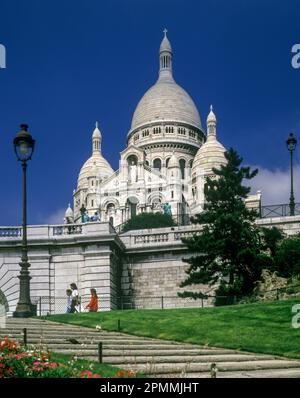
(282, 210)
(68, 229)
(8, 232)
(151, 238)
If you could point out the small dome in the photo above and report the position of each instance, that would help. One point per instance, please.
(165, 44)
(96, 132)
(211, 118)
(69, 212)
(95, 166)
(210, 155)
(173, 162)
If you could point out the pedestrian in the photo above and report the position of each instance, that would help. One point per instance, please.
(75, 305)
(93, 304)
(69, 300)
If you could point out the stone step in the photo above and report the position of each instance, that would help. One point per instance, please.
(113, 350)
(107, 340)
(69, 331)
(263, 373)
(188, 368)
(160, 359)
(117, 346)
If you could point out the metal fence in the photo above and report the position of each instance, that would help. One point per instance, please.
(281, 210)
(58, 305)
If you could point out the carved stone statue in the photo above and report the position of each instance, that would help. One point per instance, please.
(84, 215)
(167, 209)
(133, 172)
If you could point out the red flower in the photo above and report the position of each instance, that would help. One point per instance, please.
(121, 373)
(86, 374)
(130, 373)
(51, 365)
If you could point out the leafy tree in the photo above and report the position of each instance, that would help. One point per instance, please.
(229, 247)
(272, 237)
(149, 220)
(287, 258)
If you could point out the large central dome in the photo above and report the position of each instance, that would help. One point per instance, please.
(165, 101)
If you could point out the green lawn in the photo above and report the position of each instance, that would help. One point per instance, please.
(261, 327)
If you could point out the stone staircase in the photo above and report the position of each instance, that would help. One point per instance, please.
(152, 357)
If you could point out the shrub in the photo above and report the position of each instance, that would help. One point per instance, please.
(149, 220)
(288, 258)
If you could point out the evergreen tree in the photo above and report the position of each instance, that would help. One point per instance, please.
(272, 237)
(229, 248)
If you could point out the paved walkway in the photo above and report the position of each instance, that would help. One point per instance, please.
(153, 357)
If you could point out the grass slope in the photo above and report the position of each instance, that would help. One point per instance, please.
(104, 370)
(261, 327)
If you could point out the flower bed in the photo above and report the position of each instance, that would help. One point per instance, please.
(19, 362)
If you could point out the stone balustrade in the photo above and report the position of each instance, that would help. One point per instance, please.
(10, 232)
(72, 229)
(158, 237)
(50, 232)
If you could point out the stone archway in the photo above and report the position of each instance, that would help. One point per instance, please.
(3, 301)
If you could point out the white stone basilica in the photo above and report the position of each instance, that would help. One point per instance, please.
(167, 157)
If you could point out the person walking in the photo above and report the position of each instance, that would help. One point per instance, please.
(69, 300)
(93, 304)
(75, 305)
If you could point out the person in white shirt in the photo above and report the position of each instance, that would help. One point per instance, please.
(75, 298)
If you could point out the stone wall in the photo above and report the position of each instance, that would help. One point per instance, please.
(59, 257)
(154, 268)
(132, 270)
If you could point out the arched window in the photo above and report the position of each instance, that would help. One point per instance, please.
(182, 168)
(110, 210)
(132, 159)
(167, 162)
(157, 164)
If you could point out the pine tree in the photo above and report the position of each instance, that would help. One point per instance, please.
(228, 250)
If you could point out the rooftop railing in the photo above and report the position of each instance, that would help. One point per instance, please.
(282, 210)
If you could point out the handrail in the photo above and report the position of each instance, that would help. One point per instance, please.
(280, 210)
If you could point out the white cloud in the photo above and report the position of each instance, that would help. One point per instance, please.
(57, 217)
(275, 185)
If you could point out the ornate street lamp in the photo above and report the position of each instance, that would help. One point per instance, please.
(291, 145)
(24, 147)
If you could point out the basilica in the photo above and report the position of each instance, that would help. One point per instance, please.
(163, 168)
(168, 156)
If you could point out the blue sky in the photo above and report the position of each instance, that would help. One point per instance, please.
(70, 63)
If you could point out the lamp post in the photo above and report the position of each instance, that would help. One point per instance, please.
(291, 145)
(24, 147)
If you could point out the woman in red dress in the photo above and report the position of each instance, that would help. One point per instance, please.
(93, 304)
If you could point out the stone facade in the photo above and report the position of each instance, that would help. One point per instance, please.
(164, 165)
(137, 269)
